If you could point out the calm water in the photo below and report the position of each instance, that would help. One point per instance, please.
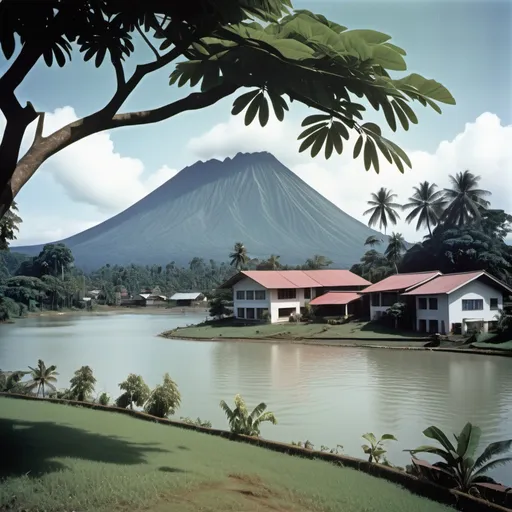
(328, 395)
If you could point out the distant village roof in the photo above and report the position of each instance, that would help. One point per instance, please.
(449, 283)
(279, 279)
(400, 282)
(335, 298)
(186, 296)
(148, 295)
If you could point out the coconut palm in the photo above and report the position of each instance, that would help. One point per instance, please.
(10, 381)
(427, 206)
(82, 384)
(317, 262)
(42, 377)
(239, 256)
(395, 249)
(372, 241)
(383, 209)
(241, 422)
(466, 200)
(273, 261)
(459, 467)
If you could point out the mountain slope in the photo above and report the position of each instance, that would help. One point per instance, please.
(209, 206)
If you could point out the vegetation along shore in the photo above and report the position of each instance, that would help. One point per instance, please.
(181, 466)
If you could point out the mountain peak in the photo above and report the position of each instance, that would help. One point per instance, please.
(207, 207)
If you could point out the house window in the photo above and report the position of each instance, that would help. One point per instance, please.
(494, 303)
(432, 303)
(249, 313)
(286, 293)
(472, 304)
(241, 313)
(307, 293)
(375, 299)
(240, 295)
(422, 303)
(249, 295)
(259, 295)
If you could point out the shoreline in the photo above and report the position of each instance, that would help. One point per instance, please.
(343, 343)
(118, 310)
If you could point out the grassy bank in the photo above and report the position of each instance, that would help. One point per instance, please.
(66, 458)
(366, 331)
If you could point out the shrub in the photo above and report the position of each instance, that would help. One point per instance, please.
(198, 422)
(164, 399)
(104, 399)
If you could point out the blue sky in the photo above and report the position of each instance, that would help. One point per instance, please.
(464, 45)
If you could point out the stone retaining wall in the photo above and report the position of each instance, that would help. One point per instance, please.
(456, 499)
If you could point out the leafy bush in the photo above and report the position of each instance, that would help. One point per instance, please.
(266, 317)
(136, 391)
(8, 309)
(82, 384)
(164, 399)
(198, 422)
(241, 422)
(375, 449)
(104, 399)
(458, 468)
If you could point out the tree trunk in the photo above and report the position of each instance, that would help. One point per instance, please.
(428, 226)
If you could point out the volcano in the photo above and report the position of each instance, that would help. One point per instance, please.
(207, 207)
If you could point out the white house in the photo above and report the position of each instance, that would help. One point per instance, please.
(387, 292)
(458, 302)
(282, 293)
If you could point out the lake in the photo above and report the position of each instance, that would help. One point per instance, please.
(327, 395)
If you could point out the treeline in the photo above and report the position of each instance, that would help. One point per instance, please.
(464, 232)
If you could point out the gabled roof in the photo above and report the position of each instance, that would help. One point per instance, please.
(278, 279)
(448, 283)
(186, 296)
(335, 298)
(402, 282)
(148, 295)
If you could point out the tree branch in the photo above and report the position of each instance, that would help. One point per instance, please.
(148, 42)
(193, 101)
(118, 67)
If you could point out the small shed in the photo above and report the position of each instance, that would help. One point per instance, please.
(186, 299)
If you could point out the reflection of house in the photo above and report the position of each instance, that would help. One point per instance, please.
(285, 292)
(387, 292)
(149, 299)
(186, 299)
(458, 302)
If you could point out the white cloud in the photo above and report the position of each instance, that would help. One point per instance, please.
(92, 172)
(484, 147)
(42, 229)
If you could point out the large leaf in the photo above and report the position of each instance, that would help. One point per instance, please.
(493, 450)
(492, 465)
(388, 58)
(370, 36)
(429, 88)
(468, 441)
(370, 437)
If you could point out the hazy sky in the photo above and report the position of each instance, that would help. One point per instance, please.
(467, 46)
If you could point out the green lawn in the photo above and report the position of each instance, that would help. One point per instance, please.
(507, 345)
(63, 458)
(352, 330)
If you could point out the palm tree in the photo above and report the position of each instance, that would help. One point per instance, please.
(241, 422)
(42, 376)
(372, 241)
(82, 384)
(239, 256)
(427, 205)
(273, 262)
(383, 209)
(395, 249)
(317, 262)
(466, 201)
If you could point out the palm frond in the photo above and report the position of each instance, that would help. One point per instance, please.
(493, 450)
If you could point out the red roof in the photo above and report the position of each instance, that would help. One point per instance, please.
(399, 282)
(334, 298)
(448, 283)
(276, 279)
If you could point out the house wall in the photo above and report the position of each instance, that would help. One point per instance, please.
(474, 290)
(376, 311)
(441, 314)
(247, 284)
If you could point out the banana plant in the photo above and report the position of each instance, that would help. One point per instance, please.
(375, 450)
(459, 469)
(241, 422)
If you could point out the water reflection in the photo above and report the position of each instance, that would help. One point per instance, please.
(328, 395)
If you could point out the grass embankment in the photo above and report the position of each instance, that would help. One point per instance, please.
(366, 331)
(57, 458)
